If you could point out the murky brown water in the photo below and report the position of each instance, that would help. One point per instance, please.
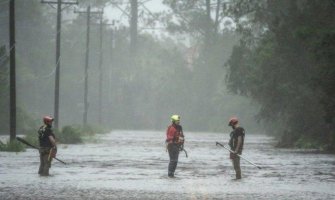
(133, 165)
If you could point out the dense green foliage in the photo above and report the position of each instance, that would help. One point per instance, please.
(285, 61)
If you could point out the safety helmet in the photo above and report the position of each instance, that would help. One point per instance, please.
(233, 121)
(47, 119)
(175, 118)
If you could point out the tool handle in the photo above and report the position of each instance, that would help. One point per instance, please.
(218, 143)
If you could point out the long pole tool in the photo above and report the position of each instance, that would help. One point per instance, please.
(28, 144)
(185, 153)
(218, 143)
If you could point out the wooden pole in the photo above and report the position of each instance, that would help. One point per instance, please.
(100, 73)
(12, 73)
(56, 101)
(86, 65)
(58, 46)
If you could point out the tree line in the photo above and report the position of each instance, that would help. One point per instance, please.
(139, 91)
(285, 62)
(271, 62)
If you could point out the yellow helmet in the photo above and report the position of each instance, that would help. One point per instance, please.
(175, 118)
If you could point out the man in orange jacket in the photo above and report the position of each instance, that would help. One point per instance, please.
(174, 140)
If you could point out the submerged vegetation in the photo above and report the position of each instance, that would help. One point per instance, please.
(12, 146)
(77, 134)
(74, 134)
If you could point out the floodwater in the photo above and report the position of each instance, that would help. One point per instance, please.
(133, 165)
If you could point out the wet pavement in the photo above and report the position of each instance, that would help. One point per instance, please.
(133, 165)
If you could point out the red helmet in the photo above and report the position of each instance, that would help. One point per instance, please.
(47, 119)
(233, 121)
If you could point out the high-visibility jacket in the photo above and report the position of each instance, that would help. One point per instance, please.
(173, 133)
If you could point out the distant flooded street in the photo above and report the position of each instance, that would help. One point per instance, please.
(133, 165)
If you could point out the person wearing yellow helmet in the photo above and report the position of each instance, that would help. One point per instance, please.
(175, 118)
(174, 140)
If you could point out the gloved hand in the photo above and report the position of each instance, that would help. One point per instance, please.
(181, 140)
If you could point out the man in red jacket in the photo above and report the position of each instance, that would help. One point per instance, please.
(174, 140)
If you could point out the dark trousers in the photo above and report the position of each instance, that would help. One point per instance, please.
(173, 154)
(237, 167)
(45, 163)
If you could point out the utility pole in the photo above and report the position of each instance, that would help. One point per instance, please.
(88, 12)
(113, 36)
(12, 81)
(86, 64)
(59, 19)
(100, 71)
(133, 25)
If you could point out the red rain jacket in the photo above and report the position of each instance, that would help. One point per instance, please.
(173, 133)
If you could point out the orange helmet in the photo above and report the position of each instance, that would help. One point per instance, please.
(47, 119)
(233, 121)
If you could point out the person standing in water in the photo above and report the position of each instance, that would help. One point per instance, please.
(236, 144)
(174, 140)
(48, 148)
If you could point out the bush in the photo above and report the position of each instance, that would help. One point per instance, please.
(308, 143)
(93, 129)
(14, 146)
(73, 134)
(69, 135)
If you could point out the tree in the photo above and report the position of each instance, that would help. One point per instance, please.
(283, 56)
(203, 22)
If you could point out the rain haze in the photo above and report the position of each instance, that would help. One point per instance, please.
(120, 84)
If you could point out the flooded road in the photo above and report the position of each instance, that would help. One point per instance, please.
(133, 165)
